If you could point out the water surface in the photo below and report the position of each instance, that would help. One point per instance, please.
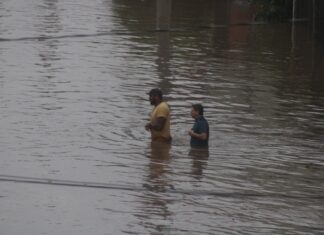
(74, 78)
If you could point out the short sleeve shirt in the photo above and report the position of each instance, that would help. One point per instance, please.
(162, 110)
(200, 126)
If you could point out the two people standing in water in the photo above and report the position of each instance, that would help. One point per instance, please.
(159, 124)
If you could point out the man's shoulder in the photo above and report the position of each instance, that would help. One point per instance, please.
(163, 105)
(162, 110)
(202, 119)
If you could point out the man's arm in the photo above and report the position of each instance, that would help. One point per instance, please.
(203, 129)
(201, 136)
(157, 125)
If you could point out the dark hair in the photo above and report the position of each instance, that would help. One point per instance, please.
(156, 92)
(199, 108)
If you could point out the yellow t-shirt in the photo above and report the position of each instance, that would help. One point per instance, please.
(162, 110)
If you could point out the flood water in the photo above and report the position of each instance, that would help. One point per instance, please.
(74, 77)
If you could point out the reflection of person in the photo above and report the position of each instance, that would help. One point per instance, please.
(199, 160)
(156, 182)
(200, 131)
(159, 124)
(160, 155)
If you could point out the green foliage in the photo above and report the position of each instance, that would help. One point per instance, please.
(272, 10)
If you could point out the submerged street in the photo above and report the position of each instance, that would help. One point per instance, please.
(75, 157)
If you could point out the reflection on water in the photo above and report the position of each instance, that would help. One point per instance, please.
(159, 163)
(163, 62)
(199, 161)
(74, 78)
(155, 205)
(163, 14)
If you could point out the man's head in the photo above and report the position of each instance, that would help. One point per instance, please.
(156, 96)
(197, 110)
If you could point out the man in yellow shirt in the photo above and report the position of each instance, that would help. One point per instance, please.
(159, 124)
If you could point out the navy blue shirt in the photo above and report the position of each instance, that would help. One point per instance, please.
(200, 126)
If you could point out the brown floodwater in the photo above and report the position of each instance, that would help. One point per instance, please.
(76, 159)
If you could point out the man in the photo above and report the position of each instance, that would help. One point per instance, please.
(200, 130)
(159, 124)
